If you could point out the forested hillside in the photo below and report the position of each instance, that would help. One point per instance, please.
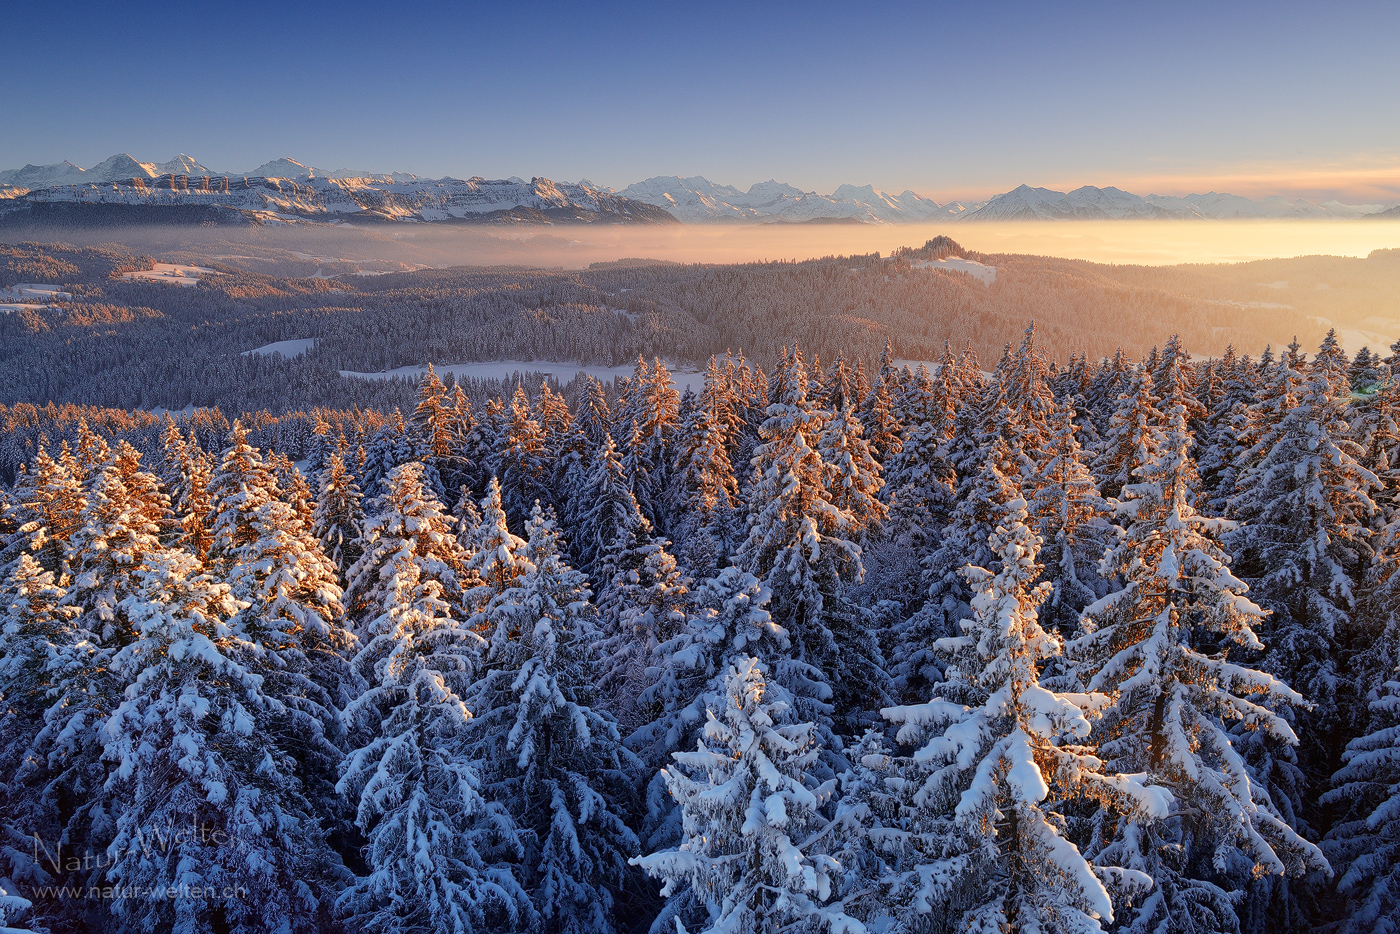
(143, 344)
(1017, 641)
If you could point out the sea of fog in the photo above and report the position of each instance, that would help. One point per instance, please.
(1134, 242)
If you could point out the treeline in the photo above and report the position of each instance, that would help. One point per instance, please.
(1096, 647)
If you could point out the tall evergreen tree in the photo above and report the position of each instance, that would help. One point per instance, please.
(994, 743)
(1364, 843)
(1307, 508)
(752, 857)
(435, 845)
(196, 769)
(338, 520)
(798, 542)
(550, 759)
(1159, 646)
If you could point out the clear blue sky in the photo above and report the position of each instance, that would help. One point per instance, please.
(947, 99)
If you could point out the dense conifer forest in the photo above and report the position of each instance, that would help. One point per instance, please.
(1030, 642)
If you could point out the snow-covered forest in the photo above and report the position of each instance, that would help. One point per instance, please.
(825, 647)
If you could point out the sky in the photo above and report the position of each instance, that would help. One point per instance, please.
(950, 100)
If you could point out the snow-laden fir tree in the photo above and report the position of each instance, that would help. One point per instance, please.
(853, 474)
(494, 561)
(706, 495)
(293, 614)
(522, 461)
(981, 505)
(594, 415)
(392, 446)
(1307, 508)
(205, 802)
(240, 485)
(1221, 455)
(49, 502)
(643, 605)
(338, 520)
(647, 421)
(548, 756)
(993, 743)
(1364, 843)
(1158, 646)
(410, 517)
(35, 626)
(1069, 517)
(753, 857)
(1131, 436)
(435, 846)
(12, 908)
(919, 480)
(608, 514)
(799, 543)
(728, 620)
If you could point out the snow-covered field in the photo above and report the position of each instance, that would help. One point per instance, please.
(683, 379)
(173, 273)
(979, 271)
(288, 349)
(31, 291)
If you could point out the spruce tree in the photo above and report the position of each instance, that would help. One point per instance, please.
(338, 520)
(799, 541)
(197, 771)
(994, 743)
(706, 494)
(1159, 647)
(1068, 515)
(1364, 843)
(752, 857)
(549, 757)
(435, 845)
(494, 561)
(1305, 543)
(609, 515)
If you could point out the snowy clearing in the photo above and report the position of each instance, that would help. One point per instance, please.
(286, 349)
(682, 379)
(979, 271)
(173, 273)
(23, 291)
(9, 308)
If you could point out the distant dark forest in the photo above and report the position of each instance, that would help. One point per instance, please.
(135, 344)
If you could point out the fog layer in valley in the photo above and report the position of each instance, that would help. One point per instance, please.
(1137, 242)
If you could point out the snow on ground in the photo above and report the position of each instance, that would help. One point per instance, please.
(170, 272)
(979, 271)
(175, 413)
(1353, 339)
(33, 290)
(683, 379)
(287, 349)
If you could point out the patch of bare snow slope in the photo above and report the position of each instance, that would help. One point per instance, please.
(172, 273)
(980, 271)
(289, 349)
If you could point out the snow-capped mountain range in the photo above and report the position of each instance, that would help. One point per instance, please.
(289, 189)
(1026, 203)
(699, 200)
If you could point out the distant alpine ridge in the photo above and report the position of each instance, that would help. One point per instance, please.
(123, 190)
